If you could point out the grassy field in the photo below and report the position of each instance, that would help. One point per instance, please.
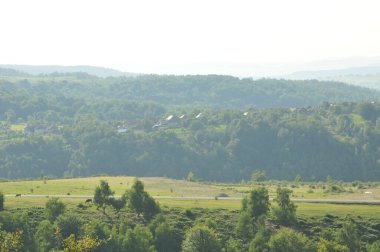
(171, 187)
(18, 127)
(182, 188)
(303, 209)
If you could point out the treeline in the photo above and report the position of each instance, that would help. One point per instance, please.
(136, 223)
(336, 140)
(71, 95)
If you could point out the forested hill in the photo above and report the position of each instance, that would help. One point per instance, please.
(211, 91)
(46, 70)
(217, 127)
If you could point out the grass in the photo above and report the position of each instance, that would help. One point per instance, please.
(303, 209)
(182, 188)
(171, 187)
(358, 119)
(340, 210)
(86, 186)
(211, 204)
(18, 127)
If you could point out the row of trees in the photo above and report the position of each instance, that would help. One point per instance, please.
(136, 198)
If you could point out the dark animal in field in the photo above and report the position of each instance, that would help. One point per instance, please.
(88, 201)
(18, 195)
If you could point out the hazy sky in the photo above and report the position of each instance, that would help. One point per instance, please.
(175, 36)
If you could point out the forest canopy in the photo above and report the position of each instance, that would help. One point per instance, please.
(216, 127)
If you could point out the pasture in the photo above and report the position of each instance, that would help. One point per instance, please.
(173, 193)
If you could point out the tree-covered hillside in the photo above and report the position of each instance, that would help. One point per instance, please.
(217, 127)
(54, 69)
(57, 91)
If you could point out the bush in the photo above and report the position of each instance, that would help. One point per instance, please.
(287, 239)
(348, 235)
(166, 238)
(223, 195)
(245, 227)
(327, 245)
(189, 214)
(140, 239)
(374, 247)
(260, 242)
(335, 189)
(45, 236)
(53, 208)
(201, 238)
(69, 225)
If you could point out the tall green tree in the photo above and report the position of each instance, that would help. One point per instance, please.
(140, 201)
(285, 213)
(103, 195)
(258, 202)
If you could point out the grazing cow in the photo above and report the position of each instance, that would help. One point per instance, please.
(18, 195)
(88, 201)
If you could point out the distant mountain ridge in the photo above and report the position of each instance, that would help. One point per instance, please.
(361, 76)
(49, 69)
(10, 72)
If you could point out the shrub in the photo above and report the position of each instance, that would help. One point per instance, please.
(45, 236)
(69, 225)
(201, 238)
(335, 189)
(287, 239)
(53, 208)
(374, 247)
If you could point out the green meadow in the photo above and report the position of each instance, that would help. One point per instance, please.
(34, 193)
